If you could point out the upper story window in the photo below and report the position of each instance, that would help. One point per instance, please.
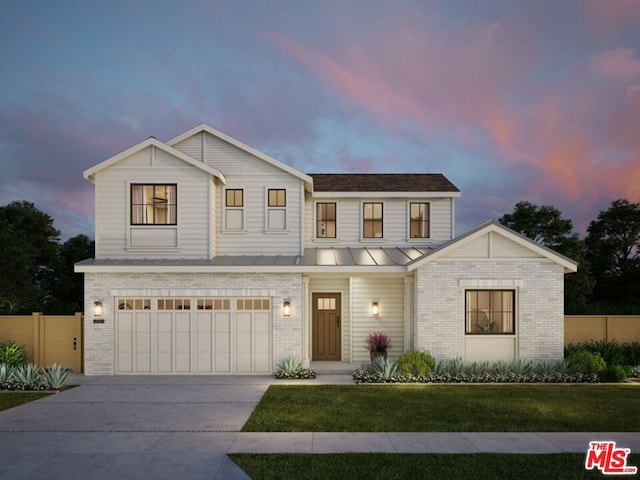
(234, 208)
(154, 204)
(419, 220)
(276, 209)
(372, 224)
(490, 312)
(326, 220)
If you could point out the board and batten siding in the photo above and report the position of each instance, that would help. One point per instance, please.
(395, 222)
(255, 176)
(389, 292)
(189, 239)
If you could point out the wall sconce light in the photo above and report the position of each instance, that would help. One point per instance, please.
(97, 308)
(375, 308)
(286, 307)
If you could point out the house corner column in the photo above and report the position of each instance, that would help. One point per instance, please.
(306, 316)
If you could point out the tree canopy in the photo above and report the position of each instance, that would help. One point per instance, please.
(36, 271)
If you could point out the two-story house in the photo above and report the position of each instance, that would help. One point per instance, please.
(215, 258)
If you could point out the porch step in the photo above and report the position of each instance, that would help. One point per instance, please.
(334, 368)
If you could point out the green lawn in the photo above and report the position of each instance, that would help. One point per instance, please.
(447, 408)
(13, 399)
(401, 467)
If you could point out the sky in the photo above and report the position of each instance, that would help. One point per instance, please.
(511, 100)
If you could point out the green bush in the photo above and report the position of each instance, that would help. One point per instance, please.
(12, 354)
(585, 362)
(416, 363)
(614, 373)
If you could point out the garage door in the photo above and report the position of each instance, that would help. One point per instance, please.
(193, 335)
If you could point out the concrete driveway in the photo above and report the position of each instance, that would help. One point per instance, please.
(130, 427)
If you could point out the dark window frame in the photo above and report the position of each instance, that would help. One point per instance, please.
(277, 204)
(481, 322)
(419, 223)
(172, 208)
(369, 224)
(324, 219)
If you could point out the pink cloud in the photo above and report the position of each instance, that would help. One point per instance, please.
(578, 128)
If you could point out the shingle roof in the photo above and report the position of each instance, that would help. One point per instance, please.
(381, 182)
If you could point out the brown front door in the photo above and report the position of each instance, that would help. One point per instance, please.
(326, 327)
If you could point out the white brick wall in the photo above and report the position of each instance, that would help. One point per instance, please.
(439, 305)
(99, 338)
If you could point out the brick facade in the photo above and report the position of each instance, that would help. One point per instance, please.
(439, 305)
(99, 338)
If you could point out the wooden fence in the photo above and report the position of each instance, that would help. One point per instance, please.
(582, 328)
(46, 339)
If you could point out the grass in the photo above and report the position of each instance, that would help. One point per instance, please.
(447, 408)
(402, 466)
(13, 399)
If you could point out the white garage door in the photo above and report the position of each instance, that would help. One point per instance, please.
(193, 335)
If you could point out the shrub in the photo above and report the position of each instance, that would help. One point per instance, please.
(12, 354)
(585, 362)
(416, 363)
(612, 352)
(6, 372)
(614, 373)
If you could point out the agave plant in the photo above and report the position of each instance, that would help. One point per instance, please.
(6, 371)
(26, 374)
(56, 375)
(387, 368)
(290, 365)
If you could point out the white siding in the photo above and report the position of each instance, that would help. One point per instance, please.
(113, 229)
(492, 245)
(389, 292)
(255, 177)
(395, 218)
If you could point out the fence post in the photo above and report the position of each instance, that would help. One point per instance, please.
(35, 316)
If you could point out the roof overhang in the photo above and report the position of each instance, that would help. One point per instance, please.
(90, 173)
(386, 194)
(570, 266)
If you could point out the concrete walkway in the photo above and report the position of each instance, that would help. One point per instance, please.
(184, 427)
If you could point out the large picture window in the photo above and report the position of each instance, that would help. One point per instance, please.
(326, 220)
(154, 204)
(372, 223)
(490, 312)
(419, 220)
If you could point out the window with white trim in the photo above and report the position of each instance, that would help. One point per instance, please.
(234, 208)
(326, 219)
(154, 204)
(490, 312)
(372, 222)
(276, 209)
(419, 220)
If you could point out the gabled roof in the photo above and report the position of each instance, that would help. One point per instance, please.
(382, 182)
(569, 265)
(152, 142)
(242, 146)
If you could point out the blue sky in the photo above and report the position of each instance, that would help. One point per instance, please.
(511, 100)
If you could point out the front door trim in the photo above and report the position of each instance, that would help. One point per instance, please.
(326, 329)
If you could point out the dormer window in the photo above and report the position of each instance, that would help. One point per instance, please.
(154, 204)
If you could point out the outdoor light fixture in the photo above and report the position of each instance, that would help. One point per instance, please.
(286, 307)
(98, 312)
(375, 308)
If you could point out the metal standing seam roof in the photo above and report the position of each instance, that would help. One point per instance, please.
(313, 257)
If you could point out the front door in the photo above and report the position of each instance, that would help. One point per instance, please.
(326, 327)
